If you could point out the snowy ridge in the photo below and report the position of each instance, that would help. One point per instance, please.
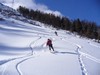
(10, 13)
(7, 11)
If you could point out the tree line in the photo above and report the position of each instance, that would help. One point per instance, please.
(83, 28)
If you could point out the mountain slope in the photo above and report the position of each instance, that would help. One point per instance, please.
(23, 51)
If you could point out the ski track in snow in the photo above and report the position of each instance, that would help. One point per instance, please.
(80, 54)
(17, 65)
(90, 57)
(94, 45)
(31, 47)
(84, 71)
(23, 58)
(4, 69)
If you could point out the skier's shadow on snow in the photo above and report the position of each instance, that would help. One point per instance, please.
(58, 52)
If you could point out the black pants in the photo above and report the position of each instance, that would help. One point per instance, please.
(51, 47)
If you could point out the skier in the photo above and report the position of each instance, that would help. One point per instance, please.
(49, 43)
(56, 33)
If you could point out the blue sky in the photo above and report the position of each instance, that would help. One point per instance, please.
(73, 9)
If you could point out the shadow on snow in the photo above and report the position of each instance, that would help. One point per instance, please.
(57, 52)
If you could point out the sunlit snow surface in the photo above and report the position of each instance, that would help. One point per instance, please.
(23, 51)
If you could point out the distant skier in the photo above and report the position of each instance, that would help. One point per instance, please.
(56, 33)
(49, 43)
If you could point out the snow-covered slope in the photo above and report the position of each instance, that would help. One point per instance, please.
(9, 13)
(23, 51)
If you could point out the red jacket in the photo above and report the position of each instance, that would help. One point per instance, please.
(49, 42)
